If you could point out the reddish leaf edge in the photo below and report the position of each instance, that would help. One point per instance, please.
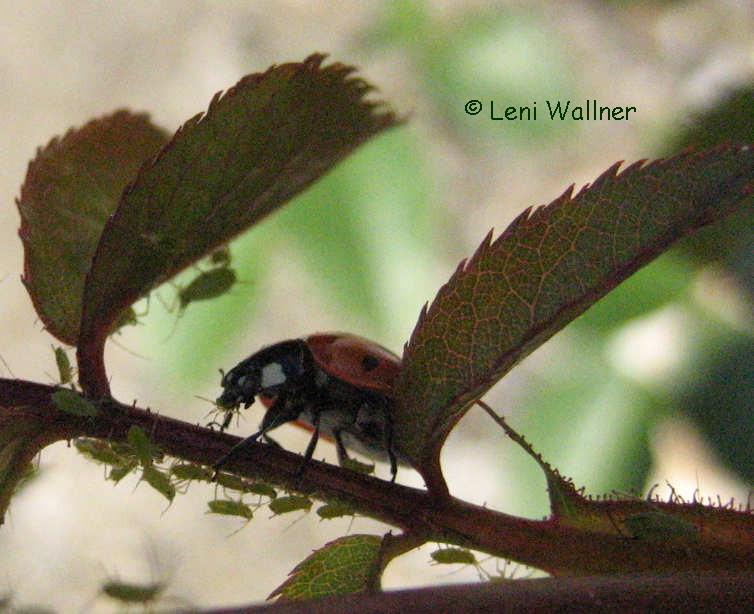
(59, 142)
(429, 465)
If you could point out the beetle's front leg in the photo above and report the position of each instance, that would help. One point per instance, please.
(389, 447)
(310, 448)
(340, 448)
(280, 412)
(285, 408)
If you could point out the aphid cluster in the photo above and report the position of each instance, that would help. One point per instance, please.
(123, 458)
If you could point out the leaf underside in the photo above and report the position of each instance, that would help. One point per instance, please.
(543, 271)
(71, 187)
(259, 144)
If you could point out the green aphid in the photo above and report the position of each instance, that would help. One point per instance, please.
(99, 450)
(224, 414)
(220, 257)
(127, 592)
(290, 503)
(207, 285)
(659, 526)
(334, 510)
(73, 403)
(354, 465)
(232, 482)
(127, 317)
(143, 448)
(450, 556)
(123, 448)
(159, 480)
(190, 471)
(261, 489)
(118, 472)
(226, 507)
(65, 371)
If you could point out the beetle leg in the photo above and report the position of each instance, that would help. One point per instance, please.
(388, 435)
(310, 448)
(283, 410)
(271, 441)
(234, 450)
(279, 413)
(339, 447)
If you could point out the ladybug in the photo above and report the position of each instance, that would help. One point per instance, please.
(337, 384)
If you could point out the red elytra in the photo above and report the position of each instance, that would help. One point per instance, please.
(355, 360)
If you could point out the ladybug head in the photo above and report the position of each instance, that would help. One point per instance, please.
(268, 372)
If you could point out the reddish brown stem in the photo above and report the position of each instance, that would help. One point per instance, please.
(544, 544)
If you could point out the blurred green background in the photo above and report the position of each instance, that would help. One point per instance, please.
(654, 383)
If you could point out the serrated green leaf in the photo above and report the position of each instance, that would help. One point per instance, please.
(341, 567)
(548, 267)
(72, 402)
(258, 145)
(71, 187)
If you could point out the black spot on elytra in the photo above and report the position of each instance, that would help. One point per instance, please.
(369, 363)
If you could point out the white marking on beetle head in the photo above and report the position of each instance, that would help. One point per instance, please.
(272, 375)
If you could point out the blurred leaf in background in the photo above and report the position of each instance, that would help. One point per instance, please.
(720, 397)
(729, 243)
